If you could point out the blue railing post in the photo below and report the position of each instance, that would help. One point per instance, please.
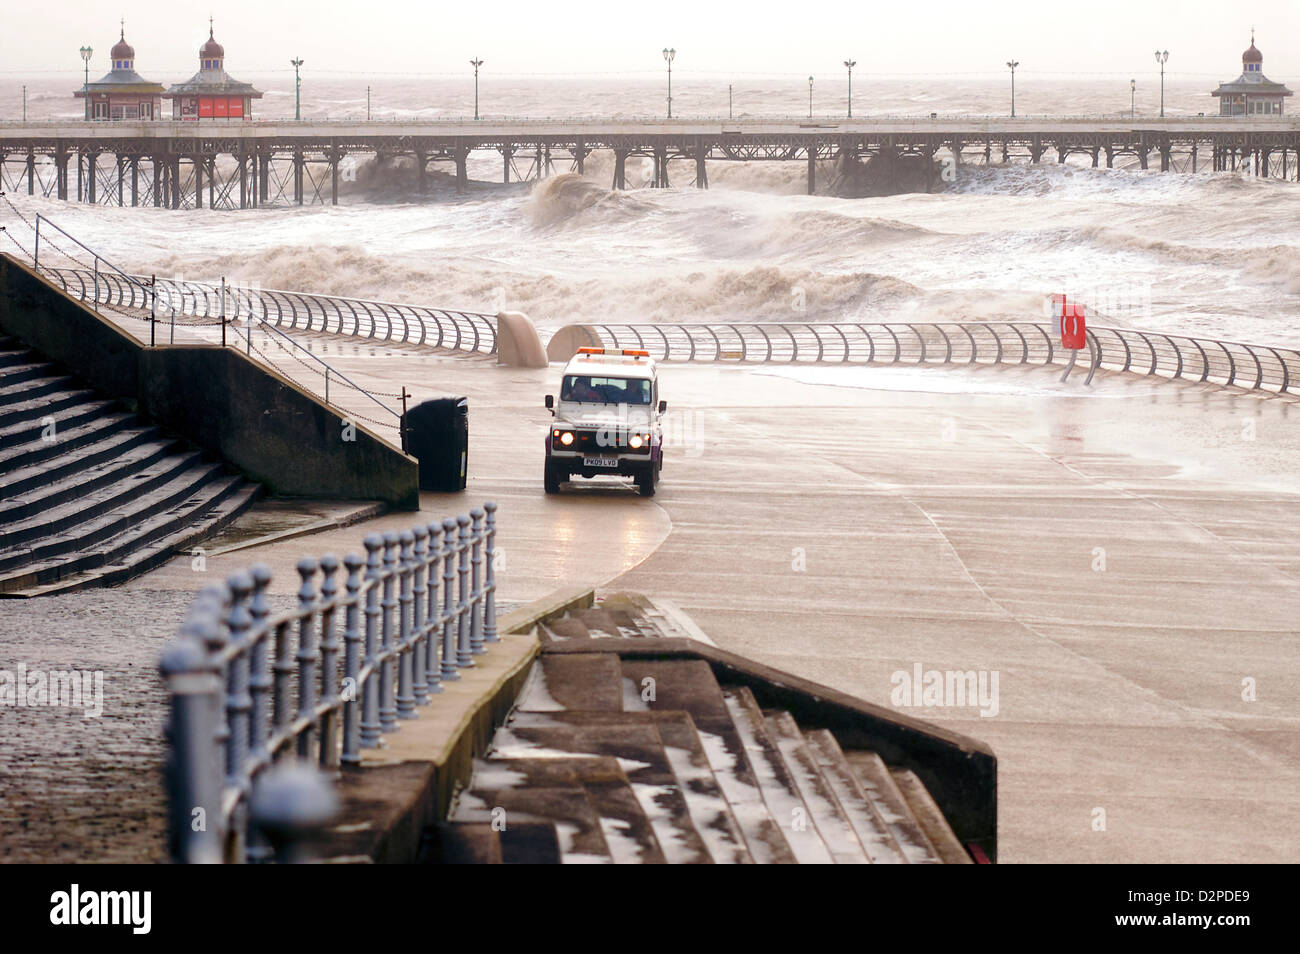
(193, 781)
(405, 642)
(433, 617)
(308, 655)
(419, 629)
(449, 671)
(370, 735)
(352, 663)
(464, 653)
(238, 704)
(476, 583)
(329, 653)
(490, 599)
(387, 700)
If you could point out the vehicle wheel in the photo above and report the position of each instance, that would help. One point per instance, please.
(645, 482)
(552, 480)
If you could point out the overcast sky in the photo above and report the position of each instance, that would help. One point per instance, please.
(1096, 37)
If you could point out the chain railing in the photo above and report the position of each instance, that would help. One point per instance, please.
(1255, 367)
(250, 690)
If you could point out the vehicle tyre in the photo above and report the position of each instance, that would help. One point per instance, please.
(552, 479)
(645, 482)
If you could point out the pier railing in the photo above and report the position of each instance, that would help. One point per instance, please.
(251, 690)
(1231, 363)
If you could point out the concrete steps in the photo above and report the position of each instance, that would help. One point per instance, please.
(637, 760)
(89, 495)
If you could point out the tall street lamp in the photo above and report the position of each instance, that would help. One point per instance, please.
(1162, 58)
(85, 58)
(297, 88)
(668, 56)
(850, 64)
(1013, 64)
(810, 85)
(1132, 98)
(476, 63)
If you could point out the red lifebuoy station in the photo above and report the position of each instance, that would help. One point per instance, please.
(212, 93)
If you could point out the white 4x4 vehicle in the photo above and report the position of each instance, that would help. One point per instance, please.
(608, 420)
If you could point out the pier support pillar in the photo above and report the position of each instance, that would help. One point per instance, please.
(701, 169)
(988, 151)
(121, 179)
(620, 169)
(1193, 155)
(1164, 158)
(31, 171)
(812, 168)
(334, 174)
(81, 174)
(92, 166)
(175, 171)
(579, 154)
(1110, 157)
(243, 179)
(212, 181)
(297, 176)
(1035, 149)
(421, 172)
(61, 167)
(157, 182)
(1142, 156)
(462, 171)
(135, 181)
(264, 179)
(507, 151)
(198, 183)
(1096, 156)
(661, 167)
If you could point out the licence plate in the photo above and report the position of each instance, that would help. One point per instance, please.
(600, 462)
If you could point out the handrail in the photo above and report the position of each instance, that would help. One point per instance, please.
(309, 311)
(250, 690)
(939, 343)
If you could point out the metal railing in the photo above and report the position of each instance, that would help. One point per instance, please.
(250, 690)
(1231, 363)
(105, 286)
(473, 332)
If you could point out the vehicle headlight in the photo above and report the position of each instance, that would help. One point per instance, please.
(636, 441)
(566, 438)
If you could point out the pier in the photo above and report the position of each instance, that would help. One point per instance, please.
(240, 164)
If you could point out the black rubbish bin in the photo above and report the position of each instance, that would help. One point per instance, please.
(437, 435)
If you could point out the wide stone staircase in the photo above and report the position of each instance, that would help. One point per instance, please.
(89, 495)
(607, 758)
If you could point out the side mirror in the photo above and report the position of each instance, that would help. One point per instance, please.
(663, 406)
(550, 402)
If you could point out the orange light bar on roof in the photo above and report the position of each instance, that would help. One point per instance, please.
(626, 352)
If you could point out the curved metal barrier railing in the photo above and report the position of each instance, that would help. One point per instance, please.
(1255, 367)
(255, 693)
(292, 310)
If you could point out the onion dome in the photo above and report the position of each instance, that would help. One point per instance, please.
(1252, 55)
(212, 50)
(122, 50)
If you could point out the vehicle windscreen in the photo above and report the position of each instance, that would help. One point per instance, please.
(599, 390)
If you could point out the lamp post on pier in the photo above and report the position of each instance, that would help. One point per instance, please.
(476, 63)
(1162, 58)
(850, 64)
(1012, 64)
(1132, 98)
(297, 88)
(668, 57)
(85, 58)
(810, 86)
